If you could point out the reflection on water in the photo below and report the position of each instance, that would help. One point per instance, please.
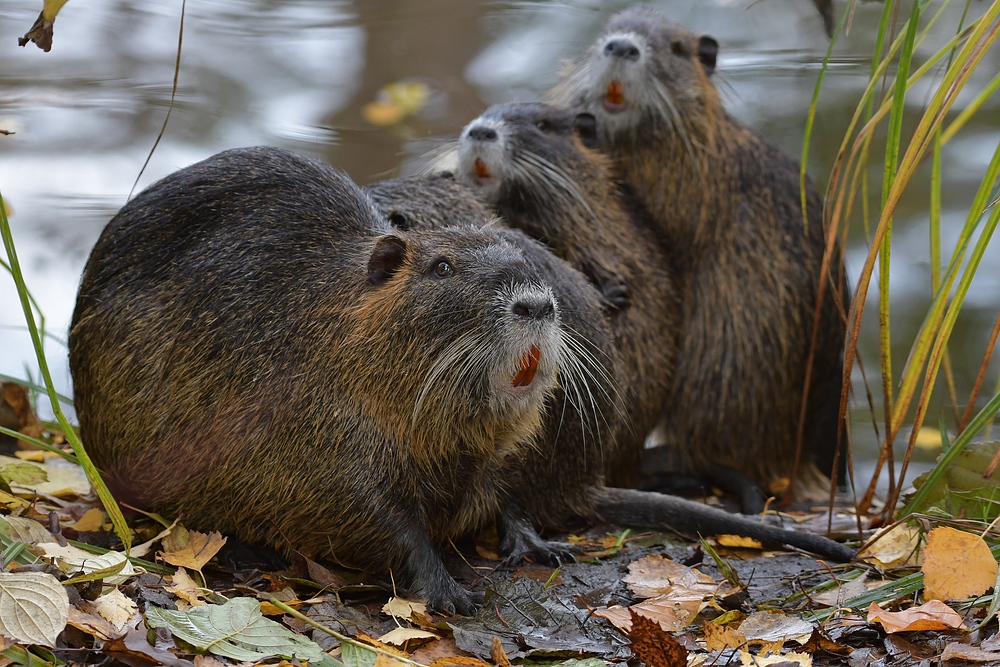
(296, 75)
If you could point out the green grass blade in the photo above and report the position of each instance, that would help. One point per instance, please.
(110, 506)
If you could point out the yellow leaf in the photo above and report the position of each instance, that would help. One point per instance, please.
(199, 549)
(411, 96)
(718, 637)
(383, 113)
(91, 521)
(738, 541)
(187, 588)
(893, 547)
(115, 608)
(400, 608)
(957, 564)
(407, 637)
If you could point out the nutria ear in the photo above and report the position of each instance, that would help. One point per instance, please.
(399, 220)
(586, 128)
(386, 258)
(708, 49)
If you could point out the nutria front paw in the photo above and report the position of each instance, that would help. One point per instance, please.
(455, 600)
(552, 554)
(616, 294)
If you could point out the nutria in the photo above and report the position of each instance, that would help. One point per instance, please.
(561, 481)
(526, 161)
(254, 347)
(727, 206)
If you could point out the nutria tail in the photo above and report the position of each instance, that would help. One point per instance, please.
(655, 510)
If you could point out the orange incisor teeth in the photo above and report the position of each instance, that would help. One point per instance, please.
(481, 170)
(615, 93)
(529, 366)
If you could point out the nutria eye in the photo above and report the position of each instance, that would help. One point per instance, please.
(542, 125)
(443, 269)
(677, 48)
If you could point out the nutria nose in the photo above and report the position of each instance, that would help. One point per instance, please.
(482, 133)
(621, 48)
(534, 308)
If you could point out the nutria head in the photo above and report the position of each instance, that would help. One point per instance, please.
(645, 76)
(467, 337)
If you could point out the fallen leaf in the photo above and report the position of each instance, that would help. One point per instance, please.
(459, 661)
(959, 651)
(133, 649)
(115, 608)
(200, 549)
(34, 606)
(25, 530)
(140, 550)
(653, 646)
(92, 520)
(93, 624)
(656, 575)
(498, 655)
(719, 637)
(802, 659)
(893, 547)
(738, 542)
(845, 590)
(186, 588)
(41, 30)
(957, 564)
(28, 423)
(932, 615)
(63, 479)
(771, 627)
(819, 642)
(406, 638)
(444, 652)
(402, 608)
(73, 561)
(671, 613)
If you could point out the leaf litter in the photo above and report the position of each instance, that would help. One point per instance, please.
(642, 596)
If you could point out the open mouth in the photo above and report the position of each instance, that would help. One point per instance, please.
(529, 366)
(481, 169)
(614, 100)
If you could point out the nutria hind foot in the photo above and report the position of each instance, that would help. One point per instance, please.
(519, 541)
(428, 577)
(237, 555)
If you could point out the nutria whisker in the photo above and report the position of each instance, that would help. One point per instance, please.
(469, 349)
(440, 159)
(564, 185)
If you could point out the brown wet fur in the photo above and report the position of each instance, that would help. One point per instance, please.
(235, 358)
(572, 204)
(561, 481)
(727, 206)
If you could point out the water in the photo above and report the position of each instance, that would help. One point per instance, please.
(297, 75)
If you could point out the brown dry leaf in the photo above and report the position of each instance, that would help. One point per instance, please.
(459, 661)
(91, 521)
(407, 638)
(186, 588)
(957, 564)
(932, 615)
(93, 624)
(444, 651)
(783, 659)
(498, 654)
(819, 642)
(959, 651)
(672, 614)
(200, 549)
(738, 542)
(893, 547)
(656, 575)
(653, 646)
(718, 637)
(28, 422)
(209, 661)
(268, 609)
(769, 627)
(133, 649)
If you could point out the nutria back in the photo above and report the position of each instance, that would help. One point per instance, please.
(727, 206)
(255, 347)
